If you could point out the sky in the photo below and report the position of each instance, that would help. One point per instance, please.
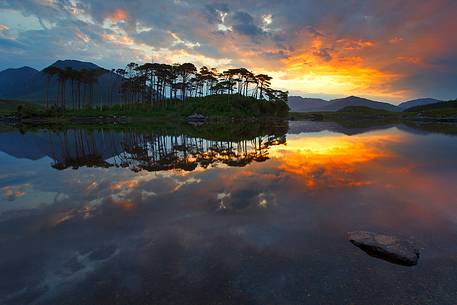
(390, 50)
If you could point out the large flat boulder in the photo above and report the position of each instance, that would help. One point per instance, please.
(389, 248)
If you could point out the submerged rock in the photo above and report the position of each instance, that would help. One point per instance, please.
(389, 248)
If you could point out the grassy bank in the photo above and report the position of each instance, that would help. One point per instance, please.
(214, 106)
(439, 110)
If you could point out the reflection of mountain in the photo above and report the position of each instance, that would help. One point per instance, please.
(60, 145)
(296, 127)
(138, 151)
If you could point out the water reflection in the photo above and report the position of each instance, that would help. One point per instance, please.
(126, 229)
(152, 152)
(138, 151)
(330, 160)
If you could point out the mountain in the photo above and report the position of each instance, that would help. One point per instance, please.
(299, 104)
(12, 81)
(28, 84)
(338, 104)
(418, 102)
(75, 65)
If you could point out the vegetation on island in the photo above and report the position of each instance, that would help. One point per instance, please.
(160, 89)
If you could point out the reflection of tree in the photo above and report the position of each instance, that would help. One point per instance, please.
(154, 152)
(76, 149)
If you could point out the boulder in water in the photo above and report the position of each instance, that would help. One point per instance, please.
(389, 248)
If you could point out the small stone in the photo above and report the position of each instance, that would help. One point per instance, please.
(196, 118)
(389, 248)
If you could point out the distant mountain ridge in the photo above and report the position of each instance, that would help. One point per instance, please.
(300, 104)
(75, 64)
(418, 102)
(13, 80)
(338, 104)
(28, 84)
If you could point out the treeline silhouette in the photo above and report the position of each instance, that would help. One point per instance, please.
(81, 81)
(157, 84)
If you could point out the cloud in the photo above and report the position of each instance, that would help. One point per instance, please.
(244, 24)
(408, 45)
(323, 53)
(216, 12)
(117, 15)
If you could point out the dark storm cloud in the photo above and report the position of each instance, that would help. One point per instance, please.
(213, 12)
(325, 54)
(244, 24)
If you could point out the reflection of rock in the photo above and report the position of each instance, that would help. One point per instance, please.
(389, 248)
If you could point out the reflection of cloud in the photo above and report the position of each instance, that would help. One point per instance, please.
(220, 198)
(332, 161)
(123, 203)
(155, 235)
(265, 200)
(189, 180)
(128, 184)
(10, 193)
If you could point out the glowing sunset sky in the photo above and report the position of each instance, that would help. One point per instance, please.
(390, 50)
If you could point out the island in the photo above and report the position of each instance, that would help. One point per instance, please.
(74, 92)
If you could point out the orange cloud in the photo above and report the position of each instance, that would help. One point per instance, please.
(13, 192)
(124, 204)
(81, 36)
(128, 184)
(119, 39)
(118, 15)
(337, 66)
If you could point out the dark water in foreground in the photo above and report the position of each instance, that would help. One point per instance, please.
(124, 217)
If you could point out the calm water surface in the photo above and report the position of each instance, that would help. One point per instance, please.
(128, 217)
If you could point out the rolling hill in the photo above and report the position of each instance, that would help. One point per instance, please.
(441, 109)
(418, 102)
(299, 104)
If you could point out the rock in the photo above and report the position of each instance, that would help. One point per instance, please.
(389, 248)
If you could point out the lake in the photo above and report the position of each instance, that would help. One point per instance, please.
(210, 215)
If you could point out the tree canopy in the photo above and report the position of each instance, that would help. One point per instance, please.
(157, 84)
